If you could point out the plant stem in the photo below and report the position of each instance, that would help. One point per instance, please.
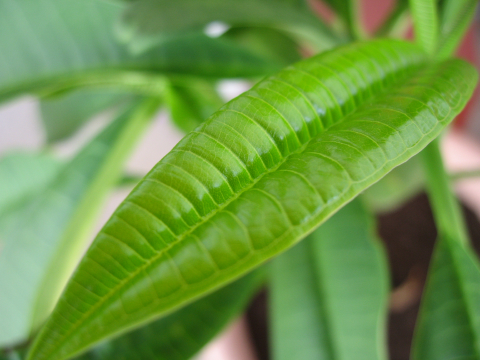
(445, 207)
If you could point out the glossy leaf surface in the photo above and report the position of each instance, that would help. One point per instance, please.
(329, 293)
(60, 44)
(182, 334)
(449, 320)
(254, 179)
(43, 239)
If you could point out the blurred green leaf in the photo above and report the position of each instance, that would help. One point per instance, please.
(257, 176)
(22, 175)
(148, 20)
(267, 42)
(455, 18)
(63, 115)
(449, 321)
(425, 23)
(396, 188)
(55, 45)
(329, 293)
(349, 12)
(44, 238)
(191, 102)
(182, 334)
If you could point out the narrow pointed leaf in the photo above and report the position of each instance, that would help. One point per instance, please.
(455, 18)
(182, 334)
(254, 179)
(425, 23)
(349, 12)
(449, 319)
(43, 240)
(329, 293)
(53, 45)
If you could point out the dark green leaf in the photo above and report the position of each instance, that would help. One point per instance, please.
(269, 43)
(255, 178)
(449, 320)
(191, 102)
(182, 334)
(329, 293)
(55, 45)
(43, 240)
(349, 13)
(150, 20)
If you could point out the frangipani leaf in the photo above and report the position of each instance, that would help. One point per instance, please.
(396, 188)
(449, 321)
(63, 115)
(22, 175)
(455, 18)
(147, 21)
(191, 102)
(61, 44)
(267, 42)
(254, 179)
(43, 239)
(181, 335)
(348, 12)
(329, 293)
(425, 21)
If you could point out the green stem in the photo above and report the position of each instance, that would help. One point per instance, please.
(446, 210)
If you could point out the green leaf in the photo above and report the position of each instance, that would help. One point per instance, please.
(348, 11)
(62, 116)
(254, 179)
(267, 42)
(425, 23)
(44, 239)
(148, 20)
(182, 334)
(24, 174)
(329, 293)
(55, 45)
(449, 320)
(401, 184)
(455, 18)
(191, 102)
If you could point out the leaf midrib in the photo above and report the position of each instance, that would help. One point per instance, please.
(207, 217)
